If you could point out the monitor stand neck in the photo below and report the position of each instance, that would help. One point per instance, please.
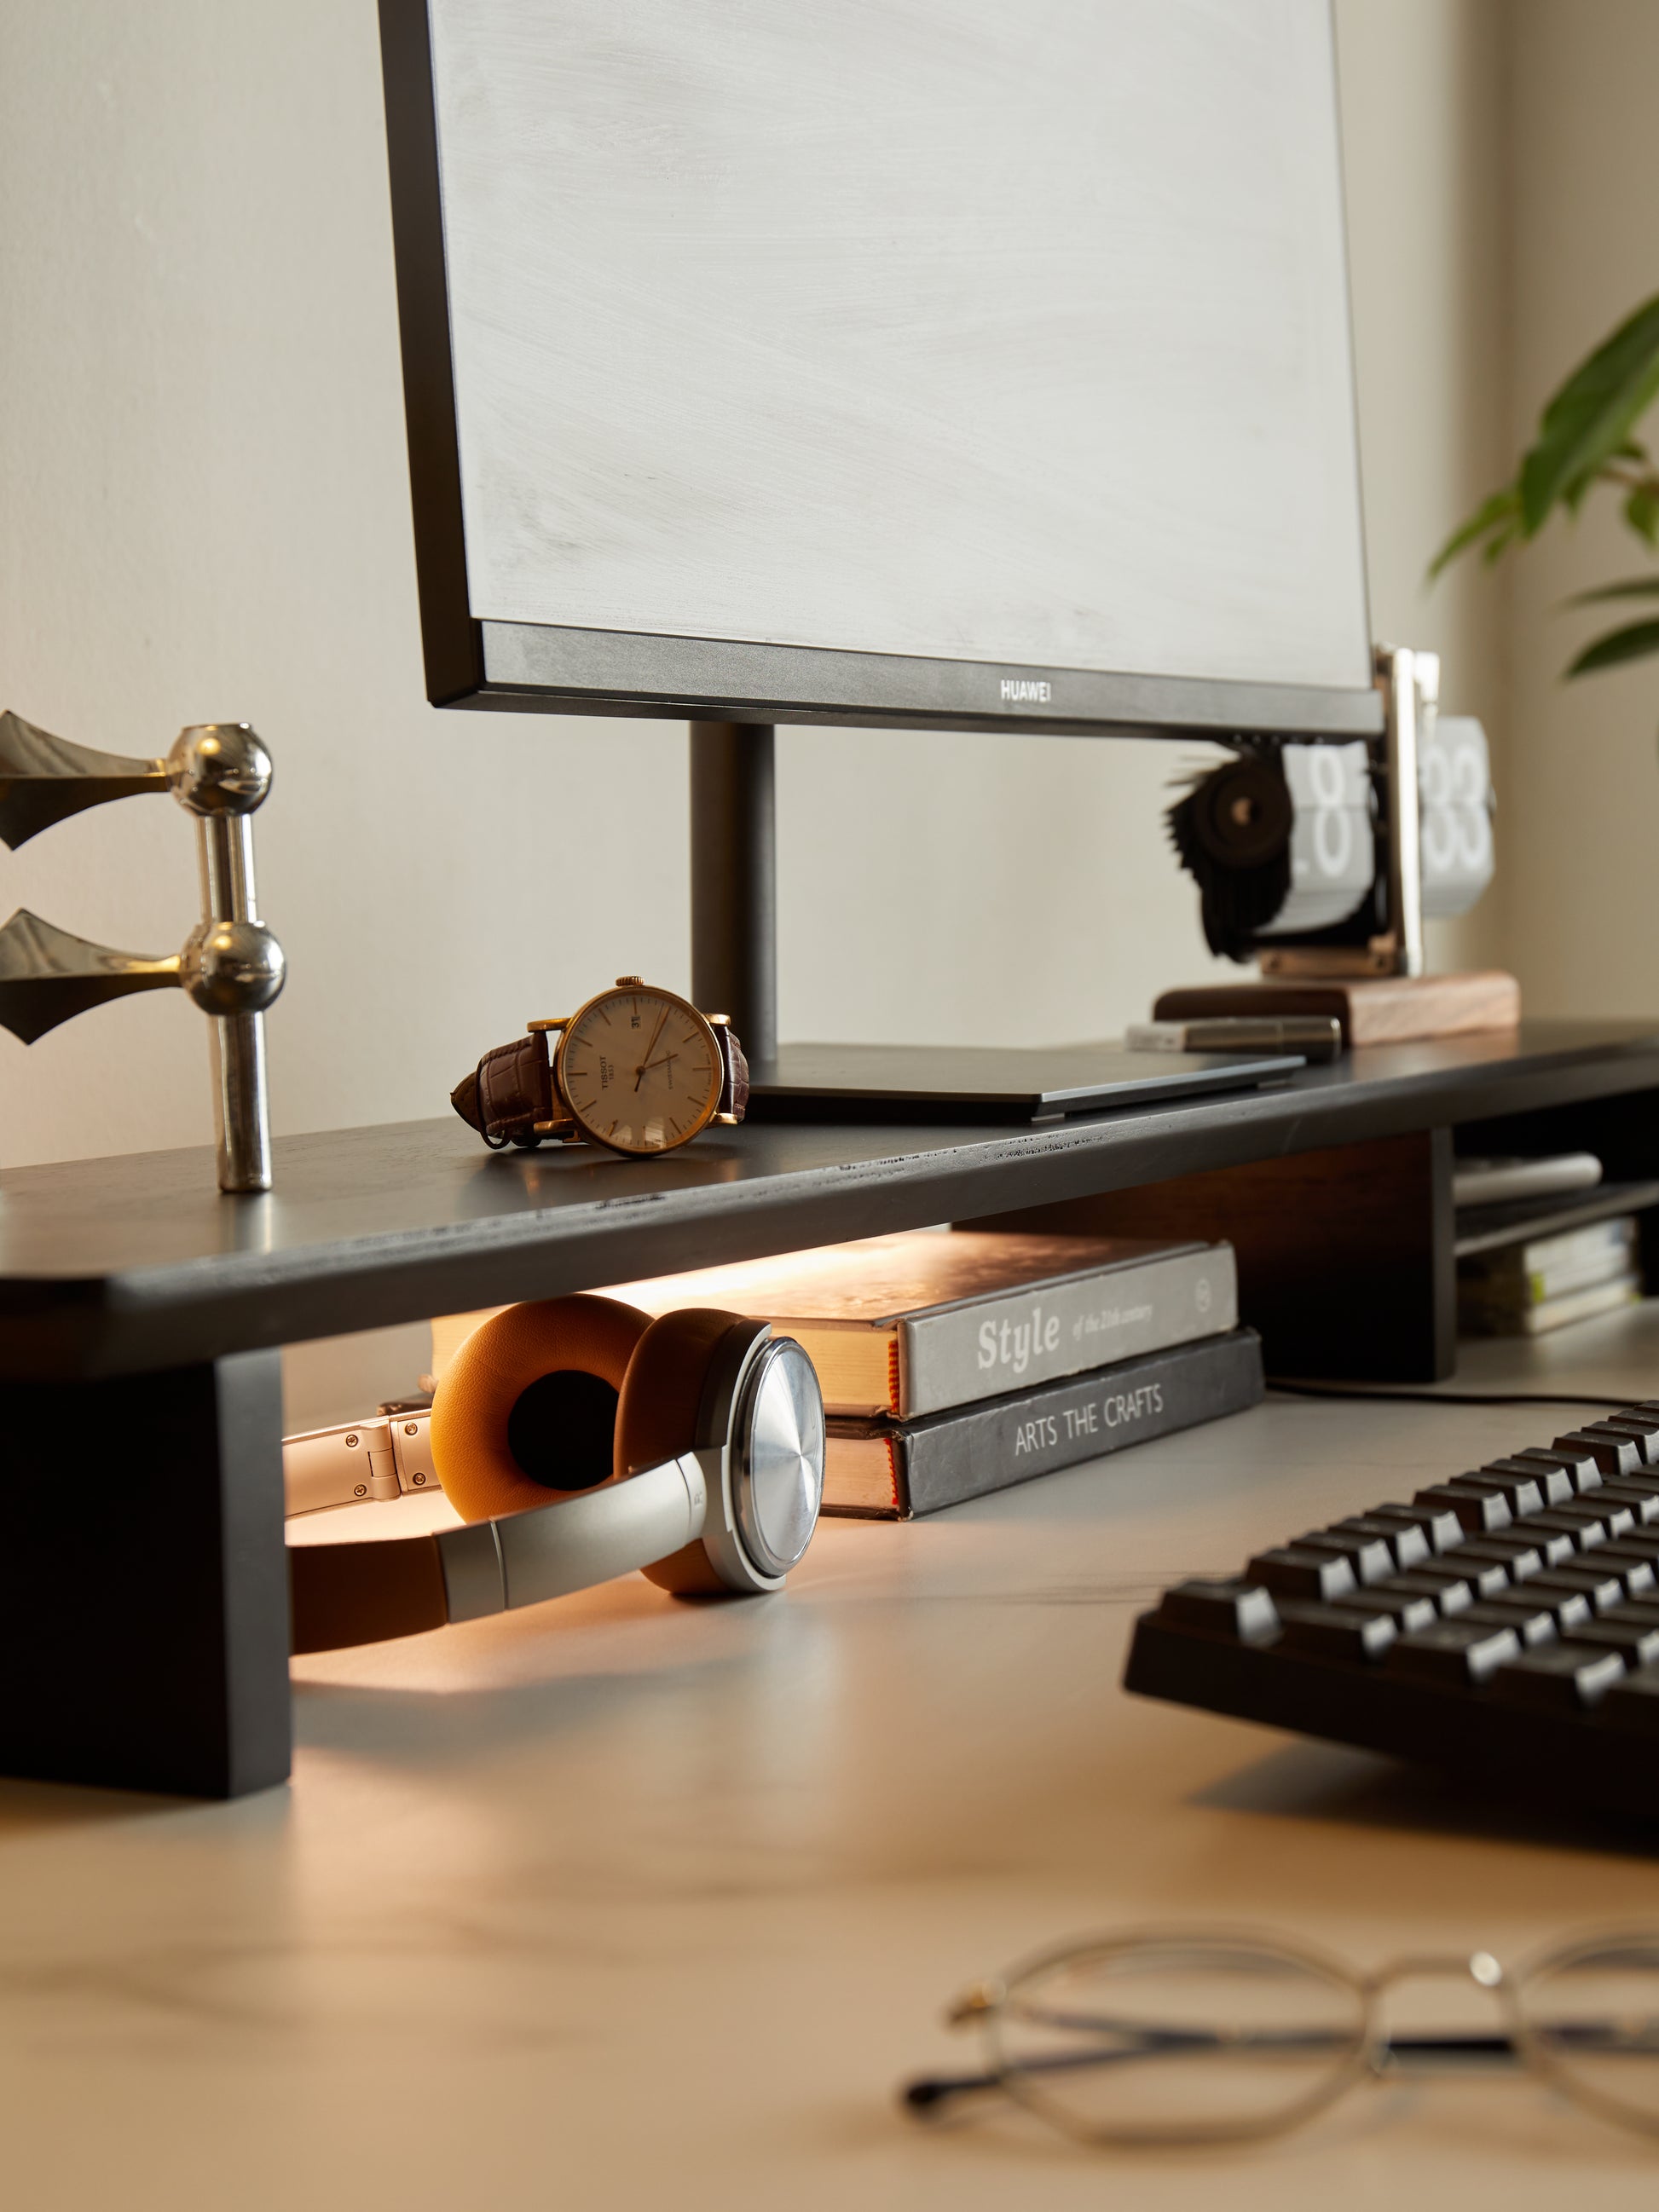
(734, 878)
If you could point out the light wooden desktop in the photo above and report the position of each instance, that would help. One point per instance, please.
(628, 1902)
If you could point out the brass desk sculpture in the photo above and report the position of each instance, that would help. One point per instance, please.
(230, 963)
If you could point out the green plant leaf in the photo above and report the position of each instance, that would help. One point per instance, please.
(1503, 507)
(1642, 512)
(1634, 588)
(1635, 642)
(1494, 546)
(1592, 415)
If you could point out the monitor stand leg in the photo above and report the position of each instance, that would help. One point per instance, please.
(143, 1584)
(734, 943)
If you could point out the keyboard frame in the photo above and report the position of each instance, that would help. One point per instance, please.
(1582, 1754)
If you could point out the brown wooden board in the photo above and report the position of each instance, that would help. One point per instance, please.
(1345, 1260)
(1372, 1009)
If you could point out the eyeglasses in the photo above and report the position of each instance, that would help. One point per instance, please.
(1184, 2038)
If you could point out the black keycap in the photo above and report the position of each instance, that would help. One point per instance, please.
(1522, 1494)
(1242, 1610)
(1342, 1631)
(1514, 1550)
(1603, 1591)
(1569, 1609)
(1449, 1592)
(1368, 1556)
(1641, 1497)
(1455, 1652)
(1635, 1572)
(1484, 1578)
(1643, 1610)
(1405, 1540)
(1558, 1677)
(1613, 1453)
(1555, 1482)
(1313, 1575)
(1407, 1609)
(1643, 1427)
(1532, 1622)
(1556, 1547)
(1442, 1526)
(1611, 1518)
(1634, 1544)
(1637, 1642)
(1580, 1533)
(1476, 1509)
(1578, 1467)
(1645, 1484)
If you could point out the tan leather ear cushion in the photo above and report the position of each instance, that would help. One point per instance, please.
(657, 1420)
(473, 1404)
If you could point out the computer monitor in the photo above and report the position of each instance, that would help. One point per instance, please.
(940, 363)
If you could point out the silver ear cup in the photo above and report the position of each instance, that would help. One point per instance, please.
(777, 1456)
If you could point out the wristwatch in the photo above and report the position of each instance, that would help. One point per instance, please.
(637, 1069)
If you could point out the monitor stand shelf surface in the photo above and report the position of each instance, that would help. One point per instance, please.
(143, 1614)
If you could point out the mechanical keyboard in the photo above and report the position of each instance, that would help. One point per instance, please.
(1504, 1622)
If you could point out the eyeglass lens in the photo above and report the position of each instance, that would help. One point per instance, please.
(1144, 2041)
(1593, 2015)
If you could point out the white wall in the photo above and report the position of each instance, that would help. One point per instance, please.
(206, 513)
(1583, 778)
(1426, 108)
(203, 513)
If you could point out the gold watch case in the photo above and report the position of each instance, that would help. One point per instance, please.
(594, 1057)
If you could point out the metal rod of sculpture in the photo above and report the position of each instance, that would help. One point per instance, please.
(230, 965)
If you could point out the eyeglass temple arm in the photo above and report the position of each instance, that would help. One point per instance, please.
(931, 2090)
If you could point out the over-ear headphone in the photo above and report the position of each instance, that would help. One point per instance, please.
(578, 1440)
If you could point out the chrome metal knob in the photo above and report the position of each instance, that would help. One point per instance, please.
(231, 967)
(219, 768)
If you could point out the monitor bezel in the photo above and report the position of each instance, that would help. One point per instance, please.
(553, 668)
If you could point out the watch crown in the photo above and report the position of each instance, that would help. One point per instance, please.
(622, 981)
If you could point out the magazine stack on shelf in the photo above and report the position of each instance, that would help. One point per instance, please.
(1545, 1242)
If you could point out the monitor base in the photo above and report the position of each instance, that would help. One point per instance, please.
(990, 1083)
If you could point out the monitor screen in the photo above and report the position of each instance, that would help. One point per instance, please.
(936, 361)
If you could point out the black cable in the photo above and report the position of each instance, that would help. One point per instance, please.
(1446, 1397)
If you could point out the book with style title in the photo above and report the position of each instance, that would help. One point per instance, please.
(895, 1470)
(910, 1325)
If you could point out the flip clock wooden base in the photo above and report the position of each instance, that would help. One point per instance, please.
(1372, 1009)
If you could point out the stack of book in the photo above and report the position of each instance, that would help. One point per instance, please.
(954, 1361)
(1543, 1241)
(1527, 1288)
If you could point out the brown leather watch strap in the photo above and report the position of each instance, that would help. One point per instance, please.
(734, 1086)
(510, 1090)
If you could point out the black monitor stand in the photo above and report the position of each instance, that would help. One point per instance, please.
(734, 880)
(734, 970)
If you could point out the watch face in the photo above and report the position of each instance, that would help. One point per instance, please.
(640, 1069)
